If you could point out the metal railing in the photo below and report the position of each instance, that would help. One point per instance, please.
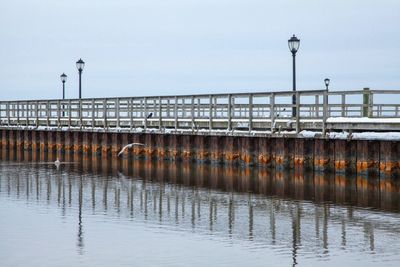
(264, 111)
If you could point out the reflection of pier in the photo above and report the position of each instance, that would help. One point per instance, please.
(215, 200)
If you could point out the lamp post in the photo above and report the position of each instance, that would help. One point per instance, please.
(80, 64)
(294, 44)
(63, 80)
(327, 81)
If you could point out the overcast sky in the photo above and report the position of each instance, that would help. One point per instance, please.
(162, 47)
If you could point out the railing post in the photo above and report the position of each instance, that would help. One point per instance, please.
(69, 113)
(168, 108)
(27, 113)
(8, 113)
(47, 113)
(18, 113)
(176, 113)
(37, 113)
(272, 111)
(366, 102)
(317, 106)
(117, 111)
(297, 112)
(343, 104)
(58, 114)
(93, 114)
(198, 107)
(229, 112)
(250, 112)
(159, 113)
(371, 106)
(192, 112)
(131, 114)
(325, 112)
(183, 108)
(145, 113)
(80, 113)
(105, 113)
(210, 113)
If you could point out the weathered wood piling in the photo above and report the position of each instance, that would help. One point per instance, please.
(368, 159)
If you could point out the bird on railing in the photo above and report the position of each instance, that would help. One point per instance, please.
(129, 146)
(150, 115)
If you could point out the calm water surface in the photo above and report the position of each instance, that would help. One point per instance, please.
(98, 212)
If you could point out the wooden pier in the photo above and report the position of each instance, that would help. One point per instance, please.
(233, 129)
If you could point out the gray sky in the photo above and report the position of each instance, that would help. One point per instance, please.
(162, 47)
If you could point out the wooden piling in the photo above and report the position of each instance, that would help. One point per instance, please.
(373, 161)
(324, 151)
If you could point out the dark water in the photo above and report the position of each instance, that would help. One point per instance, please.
(99, 212)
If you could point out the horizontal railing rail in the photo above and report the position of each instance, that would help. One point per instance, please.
(261, 111)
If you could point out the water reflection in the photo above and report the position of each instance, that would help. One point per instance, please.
(290, 211)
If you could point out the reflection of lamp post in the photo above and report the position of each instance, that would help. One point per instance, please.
(294, 44)
(63, 80)
(80, 223)
(80, 64)
(327, 81)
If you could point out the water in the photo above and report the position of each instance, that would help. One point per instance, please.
(98, 212)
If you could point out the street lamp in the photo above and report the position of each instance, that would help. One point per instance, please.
(327, 81)
(63, 80)
(294, 44)
(80, 65)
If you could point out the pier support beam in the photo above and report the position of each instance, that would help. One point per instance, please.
(51, 142)
(345, 156)
(35, 140)
(20, 139)
(230, 150)
(202, 148)
(304, 154)
(188, 148)
(5, 139)
(87, 140)
(69, 141)
(264, 146)
(27, 140)
(175, 147)
(284, 153)
(43, 142)
(105, 144)
(324, 150)
(389, 166)
(217, 151)
(368, 158)
(246, 150)
(96, 144)
(77, 141)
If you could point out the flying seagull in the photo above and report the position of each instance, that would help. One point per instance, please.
(129, 146)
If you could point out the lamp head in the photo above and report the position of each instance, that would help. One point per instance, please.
(80, 64)
(63, 78)
(294, 44)
(327, 81)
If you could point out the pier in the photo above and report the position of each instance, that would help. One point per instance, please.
(252, 129)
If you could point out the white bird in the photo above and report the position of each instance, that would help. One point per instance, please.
(57, 163)
(129, 146)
